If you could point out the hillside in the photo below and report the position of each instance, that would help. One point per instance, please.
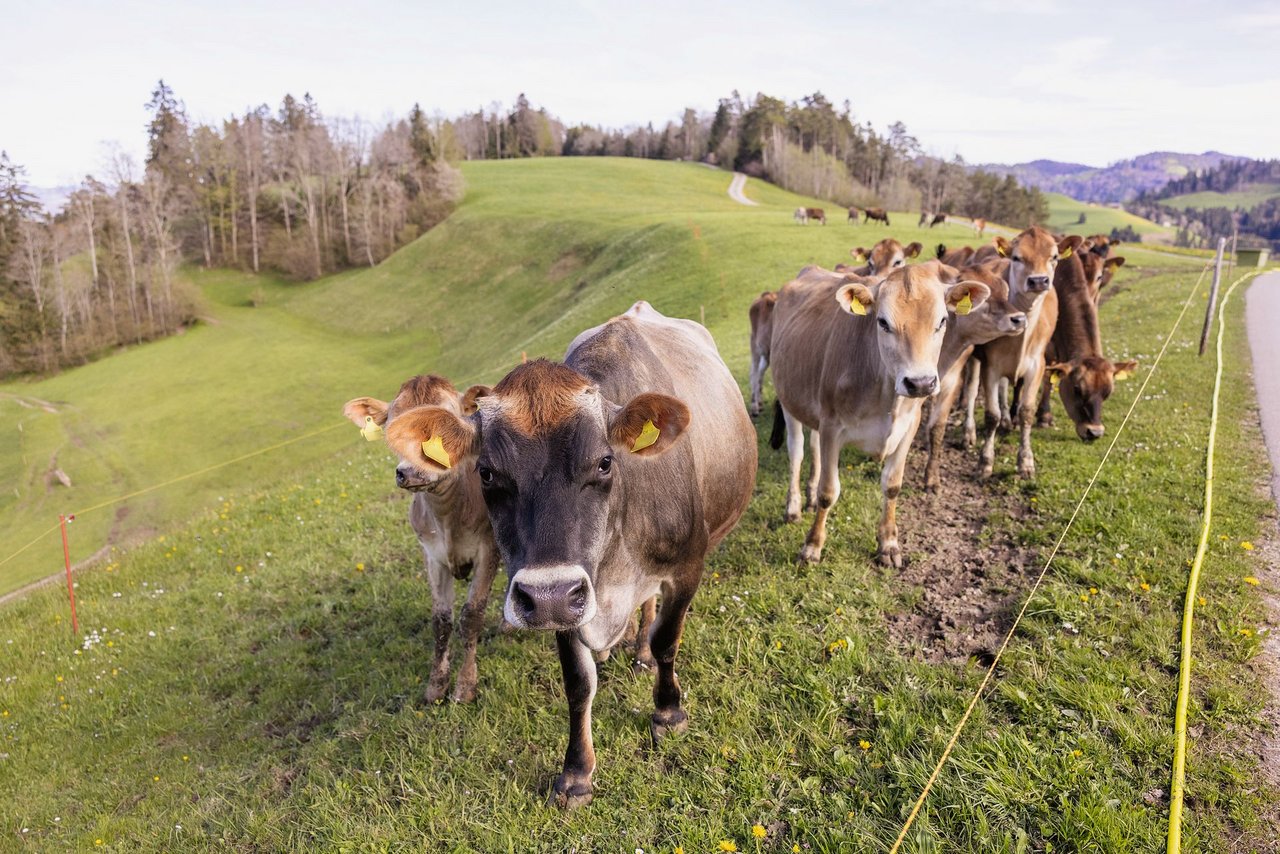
(1064, 215)
(1246, 197)
(1117, 182)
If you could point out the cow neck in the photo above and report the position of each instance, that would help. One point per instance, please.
(1077, 334)
(455, 496)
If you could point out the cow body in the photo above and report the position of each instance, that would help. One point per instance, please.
(761, 314)
(961, 256)
(979, 226)
(857, 376)
(607, 478)
(931, 219)
(853, 215)
(878, 214)
(816, 213)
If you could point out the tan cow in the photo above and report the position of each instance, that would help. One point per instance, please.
(448, 516)
(979, 226)
(880, 260)
(961, 256)
(853, 359)
(761, 314)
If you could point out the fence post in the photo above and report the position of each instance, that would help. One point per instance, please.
(1213, 294)
(71, 590)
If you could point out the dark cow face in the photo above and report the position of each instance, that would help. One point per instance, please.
(1033, 257)
(1083, 385)
(994, 318)
(1098, 271)
(423, 390)
(551, 454)
(886, 256)
(910, 308)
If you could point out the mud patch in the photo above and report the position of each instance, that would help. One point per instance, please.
(967, 576)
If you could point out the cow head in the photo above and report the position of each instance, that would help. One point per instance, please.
(415, 472)
(1098, 271)
(886, 256)
(552, 455)
(1083, 384)
(910, 307)
(1033, 257)
(994, 318)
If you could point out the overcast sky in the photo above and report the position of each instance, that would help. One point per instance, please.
(993, 80)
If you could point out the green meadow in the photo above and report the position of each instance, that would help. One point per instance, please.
(1246, 197)
(251, 664)
(1064, 215)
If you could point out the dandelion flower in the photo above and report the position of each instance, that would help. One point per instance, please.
(728, 845)
(1093, 591)
(678, 850)
(97, 842)
(1145, 586)
(758, 831)
(1246, 545)
(1245, 632)
(156, 778)
(1077, 753)
(864, 744)
(239, 568)
(58, 678)
(1201, 600)
(360, 567)
(1250, 579)
(795, 848)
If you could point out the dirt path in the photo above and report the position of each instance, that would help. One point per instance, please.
(735, 190)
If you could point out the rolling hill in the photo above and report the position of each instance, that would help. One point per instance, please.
(1064, 215)
(1118, 182)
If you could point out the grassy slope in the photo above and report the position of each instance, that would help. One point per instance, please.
(278, 703)
(1064, 211)
(1246, 198)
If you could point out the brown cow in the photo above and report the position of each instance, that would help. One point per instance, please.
(931, 219)
(959, 257)
(608, 478)
(1098, 272)
(878, 214)
(881, 259)
(816, 213)
(1018, 360)
(979, 226)
(853, 215)
(853, 360)
(761, 314)
(448, 516)
(985, 254)
(1084, 376)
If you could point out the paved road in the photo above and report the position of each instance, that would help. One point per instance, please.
(735, 189)
(1262, 317)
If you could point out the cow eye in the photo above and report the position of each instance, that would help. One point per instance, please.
(898, 263)
(1017, 259)
(884, 324)
(941, 323)
(606, 465)
(486, 475)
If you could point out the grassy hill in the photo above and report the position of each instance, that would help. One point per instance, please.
(1246, 197)
(252, 675)
(1064, 214)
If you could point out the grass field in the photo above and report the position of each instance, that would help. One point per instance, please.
(252, 677)
(1246, 198)
(1064, 214)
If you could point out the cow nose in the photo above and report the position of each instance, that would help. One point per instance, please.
(920, 386)
(401, 480)
(1092, 432)
(559, 598)
(1038, 283)
(1018, 321)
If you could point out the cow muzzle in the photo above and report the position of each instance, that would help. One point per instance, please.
(550, 597)
(1090, 432)
(1038, 284)
(920, 386)
(409, 479)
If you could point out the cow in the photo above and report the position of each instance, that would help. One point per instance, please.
(448, 516)
(996, 318)
(761, 314)
(958, 257)
(1098, 271)
(816, 213)
(878, 214)
(853, 215)
(1084, 376)
(881, 259)
(1018, 360)
(608, 477)
(853, 359)
(801, 216)
(1101, 244)
(931, 219)
(985, 254)
(979, 226)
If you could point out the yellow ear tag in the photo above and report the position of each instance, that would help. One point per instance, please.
(856, 306)
(1054, 379)
(371, 431)
(999, 250)
(433, 449)
(1122, 375)
(1066, 254)
(648, 435)
(965, 305)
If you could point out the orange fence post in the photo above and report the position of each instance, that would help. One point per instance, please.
(71, 590)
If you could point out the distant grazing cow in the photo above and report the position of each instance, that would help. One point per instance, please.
(979, 226)
(853, 359)
(608, 479)
(761, 314)
(880, 260)
(853, 215)
(958, 257)
(931, 219)
(801, 216)
(1085, 378)
(816, 213)
(448, 516)
(878, 214)
(1018, 360)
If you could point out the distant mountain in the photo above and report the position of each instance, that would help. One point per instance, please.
(1119, 182)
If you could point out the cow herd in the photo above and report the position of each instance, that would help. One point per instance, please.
(602, 482)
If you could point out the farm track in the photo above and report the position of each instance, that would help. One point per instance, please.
(735, 190)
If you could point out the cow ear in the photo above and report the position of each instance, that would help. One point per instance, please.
(1003, 246)
(912, 250)
(1113, 263)
(648, 424)
(856, 298)
(432, 438)
(1123, 370)
(947, 274)
(859, 254)
(964, 297)
(1069, 244)
(473, 394)
(367, 413)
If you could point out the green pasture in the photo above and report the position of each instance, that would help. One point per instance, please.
(1246, 197)
(1064, 214)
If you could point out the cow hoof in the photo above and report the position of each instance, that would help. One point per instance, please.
(568, 795)
(810, 553)
(1027, 472)
(644, 664)
(1005, 424)
(436, 690)
(1045, 421)
(791, 516)
(663, 724)
(932, 486)
(464, 693)
(890, 556)
(969, 442)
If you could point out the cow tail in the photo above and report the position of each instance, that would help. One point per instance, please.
(942, 250)
(779, 427)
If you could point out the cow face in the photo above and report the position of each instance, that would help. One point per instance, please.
(886, 256)
(1033, 257)
(1083, 385)
(551, 453)
(414, 473)
(910, 308)
(994, 318)
(1098, 271)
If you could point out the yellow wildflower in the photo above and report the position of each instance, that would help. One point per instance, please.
(97, 842)
(360, 567)
(1077, 754)
(1201, 600)
(1246, 632)
(1246, 545)
(728, 845)
(1250, 579)
(239, 568)
(58, 678)
(1145, 586)
(186, 758)
(795, 848)
(1093, 591)
(758, 831)
(156, 778)
(864, 744)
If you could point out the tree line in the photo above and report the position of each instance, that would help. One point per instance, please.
(1256, 225)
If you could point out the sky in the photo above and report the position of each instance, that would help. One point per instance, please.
(992, 80)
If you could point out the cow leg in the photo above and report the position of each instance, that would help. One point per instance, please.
(758, 365)
(795, 456)
(573, 787)
(441, 580)
(895, 466)
(470, 623)
(1026, 460)
(668, 717)
(815, 470)
(1044, 413)
(939, 412)
(644, 651)
(991, 424)
(828, 492)
(972, 382)
(1006, 423)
